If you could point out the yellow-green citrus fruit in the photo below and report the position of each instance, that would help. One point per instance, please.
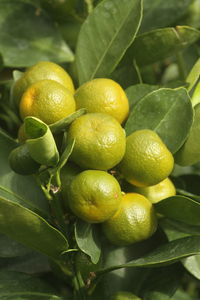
(158, 192)
(124, 296)
(47, 100)
(134, 221)
(21, 162)
(67, 174)
(147, 160)
(94, 196)
(40, 71)
(105, 96)
(99, 141)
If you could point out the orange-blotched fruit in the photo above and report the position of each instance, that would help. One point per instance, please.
(103, 95)
(134, 221)
(40, 71)
(94, 196)
(47, 100)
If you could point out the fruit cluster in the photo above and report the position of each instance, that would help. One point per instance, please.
(104, 164)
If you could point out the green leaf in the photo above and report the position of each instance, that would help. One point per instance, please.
(168, 253)
(161, 283)
(159, 13)
(159, 44)
(31, 263)
(30, 229)
(180, 208)
(158, 111)
(104, 37)
(196, 95)
(63, 124)
(12, 185)
(192, 264)
(182, 295)
(137, 92)
(189, 153)
(19, 286)
(36, 38)
(87, 240)
(193, 76)
(40, 142)
(11, 248)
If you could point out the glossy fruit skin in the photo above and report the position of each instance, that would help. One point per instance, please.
(21, 162)
(100, 141)
(47, 100)
(147, 161)
(40, 71)
(124, 296)
(134, 221)
(94, 196)
(158, 192)
(105, 96)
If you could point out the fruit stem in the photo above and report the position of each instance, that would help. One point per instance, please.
(89, 4)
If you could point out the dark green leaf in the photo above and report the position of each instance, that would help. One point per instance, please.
(36, 38)
(181, 295)
(180, 208)
(87, 240)
(193, 76)
(159, 13)
(104, 37)
(159, 44)
(189, 153)
(40, 142)
(168, 253)
(12, 185)
(30, 229)
(11, 248)
(137, 92)
(19, 286)
(63, 124)
(158, 111)
(161, 283)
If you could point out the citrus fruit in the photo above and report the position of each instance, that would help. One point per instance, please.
(134, 221)
(124, 296)
(147, 161)
(99, 141)
(94, 196)
(67, 174)
(158, 192)
(40, 71)
(21, 162)
(105, 96)
(47, 100)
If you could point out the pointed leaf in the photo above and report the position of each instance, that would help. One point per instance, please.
(189, 153)
(30, 229)
(193, 76)
(87, 240)
(159, 44)
(104, 37)
(196, 95)
(24, 43)
(158, 111)
(40, 142)
(165, 254)
(180, 208)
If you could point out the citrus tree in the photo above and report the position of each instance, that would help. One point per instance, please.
(99, 149)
